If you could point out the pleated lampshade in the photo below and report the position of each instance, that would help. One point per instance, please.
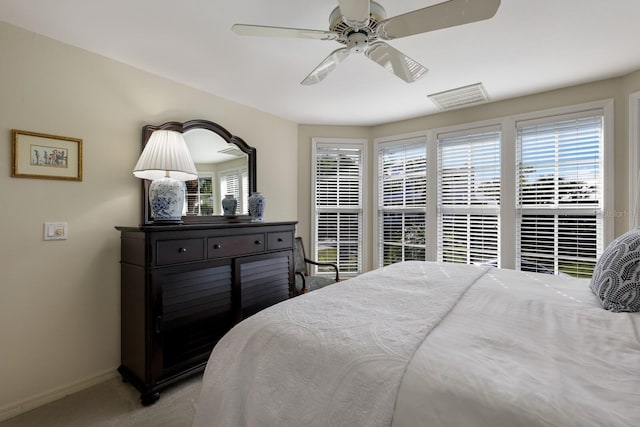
(165, 154)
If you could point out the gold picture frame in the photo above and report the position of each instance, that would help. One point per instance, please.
(44, 156)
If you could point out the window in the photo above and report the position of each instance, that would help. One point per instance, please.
(560, 193)
(338, 204)
(529, 192)
(199, 196)
(235, 182)
(402, 198)
(469, 196)
(634, 157)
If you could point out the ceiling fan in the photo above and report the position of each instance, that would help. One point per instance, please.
(360, 25)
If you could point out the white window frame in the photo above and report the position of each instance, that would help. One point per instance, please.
(539, 222)
(360, 144)
(468, 209)
(407, 139)
(634, 160)
(606, 155)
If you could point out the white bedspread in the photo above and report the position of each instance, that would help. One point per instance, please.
(428, 344)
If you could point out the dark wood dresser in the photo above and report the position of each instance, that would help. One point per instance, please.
(184, 286)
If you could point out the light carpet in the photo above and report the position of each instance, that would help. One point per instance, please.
(115, 404)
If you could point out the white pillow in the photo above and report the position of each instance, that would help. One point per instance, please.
(616, 277)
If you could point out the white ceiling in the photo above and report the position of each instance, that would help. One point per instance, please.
(529, 46)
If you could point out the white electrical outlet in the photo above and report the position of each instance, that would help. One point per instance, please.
(55, 231)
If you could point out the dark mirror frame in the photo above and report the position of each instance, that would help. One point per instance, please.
(224, 134)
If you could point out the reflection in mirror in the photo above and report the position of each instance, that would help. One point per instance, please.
(225, 164)
(222, 169)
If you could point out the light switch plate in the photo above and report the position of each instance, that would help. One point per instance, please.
(55, 231)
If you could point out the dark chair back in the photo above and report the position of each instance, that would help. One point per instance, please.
(301, 266)
(299, 257)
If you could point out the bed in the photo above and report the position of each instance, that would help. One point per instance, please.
(430, 344)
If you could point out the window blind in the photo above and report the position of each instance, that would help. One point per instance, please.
(469, 196)
(338, 205)
(235, 182)
(199, 196)
(560, 203)
(402, 199)
(243, 206)
(230, 184)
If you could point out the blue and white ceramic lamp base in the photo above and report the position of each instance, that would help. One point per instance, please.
(166, 196)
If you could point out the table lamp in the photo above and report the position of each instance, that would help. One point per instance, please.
(166, 161)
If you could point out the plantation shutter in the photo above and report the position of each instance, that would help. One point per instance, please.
(560, 201)
(230, 184)
(402, 199)
(338, 205)
(243, 207)
(469, 196)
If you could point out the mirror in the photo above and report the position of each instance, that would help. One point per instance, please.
(225, 164)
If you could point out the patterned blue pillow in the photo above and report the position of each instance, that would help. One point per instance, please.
(616, 278)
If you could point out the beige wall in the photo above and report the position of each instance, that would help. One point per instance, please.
(632, 82)
(59, 300)
(617, 89)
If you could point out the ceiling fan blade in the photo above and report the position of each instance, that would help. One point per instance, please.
(265, 31)
(355, 13)
(396, 62)
(442, 15)
(326, 66)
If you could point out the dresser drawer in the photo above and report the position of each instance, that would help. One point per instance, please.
(179, 250)
(226, 246)
(280, 240)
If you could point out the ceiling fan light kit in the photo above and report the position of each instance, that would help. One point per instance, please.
(360, 25)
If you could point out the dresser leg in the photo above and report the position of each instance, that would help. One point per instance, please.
(149, 398)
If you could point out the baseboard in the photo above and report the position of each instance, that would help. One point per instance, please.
(41, 399)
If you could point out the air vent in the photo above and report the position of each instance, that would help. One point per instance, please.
(461, 97)
(232, 151)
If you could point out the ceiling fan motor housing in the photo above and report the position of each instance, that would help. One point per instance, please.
(337, 22)
(357, 38)
(357, 42)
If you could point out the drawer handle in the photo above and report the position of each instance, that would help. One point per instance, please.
(182, 250)
(280, 239)
(158, 324)
(258, 242)
(217, 246)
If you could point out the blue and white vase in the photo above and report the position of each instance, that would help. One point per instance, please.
(166, 196)
(229, 205)
(256, 207)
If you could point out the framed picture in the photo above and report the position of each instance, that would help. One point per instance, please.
(38, 155)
